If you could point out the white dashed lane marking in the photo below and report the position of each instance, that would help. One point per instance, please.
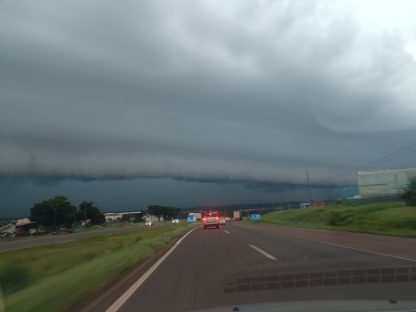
(264, 253)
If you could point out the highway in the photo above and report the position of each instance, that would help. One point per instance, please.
(244, 263)
(28, 242)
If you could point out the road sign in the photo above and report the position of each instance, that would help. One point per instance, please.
(191, 219)
(255, 216)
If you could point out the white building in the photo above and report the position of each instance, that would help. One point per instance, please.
(112, 216)
(152, 218)
(117, 216)
(383, 182)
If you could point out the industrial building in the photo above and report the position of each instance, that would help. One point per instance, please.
(383, 182)
(133, 216)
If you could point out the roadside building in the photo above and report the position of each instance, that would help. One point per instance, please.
(383, 182)
(23, 221)
(112, 216)
(131, 216)
(8, 230)
(152, 218)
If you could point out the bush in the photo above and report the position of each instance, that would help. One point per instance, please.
(335, 218)
(409, 194)
(14, 276)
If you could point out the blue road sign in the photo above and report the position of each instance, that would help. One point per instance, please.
(255, 216)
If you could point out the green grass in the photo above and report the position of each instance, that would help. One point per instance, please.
(391, 218)
(51, 278)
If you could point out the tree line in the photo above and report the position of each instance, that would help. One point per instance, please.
(167, 212)
(59, 211)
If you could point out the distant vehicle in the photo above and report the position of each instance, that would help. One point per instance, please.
(227, 219)
(237, 215)
(149, 223)
(197, 215)
(174, 221)
(222, 221)
(211, 219)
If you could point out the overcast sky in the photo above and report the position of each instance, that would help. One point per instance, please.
(147, 100)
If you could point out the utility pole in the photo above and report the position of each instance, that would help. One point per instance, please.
(54, 217)
(358, 181)
(85, 214)
(308, 183)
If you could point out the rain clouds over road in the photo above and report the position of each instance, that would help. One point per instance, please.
(210, 95)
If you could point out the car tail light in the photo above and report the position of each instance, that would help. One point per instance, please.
(204, 219)
(216, 218)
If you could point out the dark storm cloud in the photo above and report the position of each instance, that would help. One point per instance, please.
(256, 91)
(19, 194)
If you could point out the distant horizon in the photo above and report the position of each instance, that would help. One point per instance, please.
(197, 206)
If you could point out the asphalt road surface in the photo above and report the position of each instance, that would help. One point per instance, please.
(243, 263)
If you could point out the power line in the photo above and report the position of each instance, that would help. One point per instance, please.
(389, 157)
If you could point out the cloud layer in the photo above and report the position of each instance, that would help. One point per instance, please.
(237, 91)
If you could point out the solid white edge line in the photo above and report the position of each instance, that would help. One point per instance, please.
(359, 249)
(264, 253)
(124, 297)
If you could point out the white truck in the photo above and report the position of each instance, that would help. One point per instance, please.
(196, 215)
(236, 215)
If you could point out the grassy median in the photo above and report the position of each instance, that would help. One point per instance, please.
(52, 277)
(391, 218)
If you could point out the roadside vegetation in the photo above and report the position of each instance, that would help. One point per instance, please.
(52, 277)
(409, 194)
(60, 211)
(392, 218)
(165, 212)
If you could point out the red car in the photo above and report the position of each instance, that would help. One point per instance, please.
(211, 219)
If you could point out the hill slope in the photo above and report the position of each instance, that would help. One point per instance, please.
(392, 218)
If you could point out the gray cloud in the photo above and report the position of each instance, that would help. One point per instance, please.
(256, 91)
(18, 194)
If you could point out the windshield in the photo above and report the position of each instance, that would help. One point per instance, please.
(185, 155)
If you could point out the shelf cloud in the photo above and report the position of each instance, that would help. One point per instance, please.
(257, 91)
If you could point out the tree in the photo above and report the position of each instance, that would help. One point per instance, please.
(166, 212)
(155, 210)
(87, 211)
(409, 193)
(54, 212)
(171, 212)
